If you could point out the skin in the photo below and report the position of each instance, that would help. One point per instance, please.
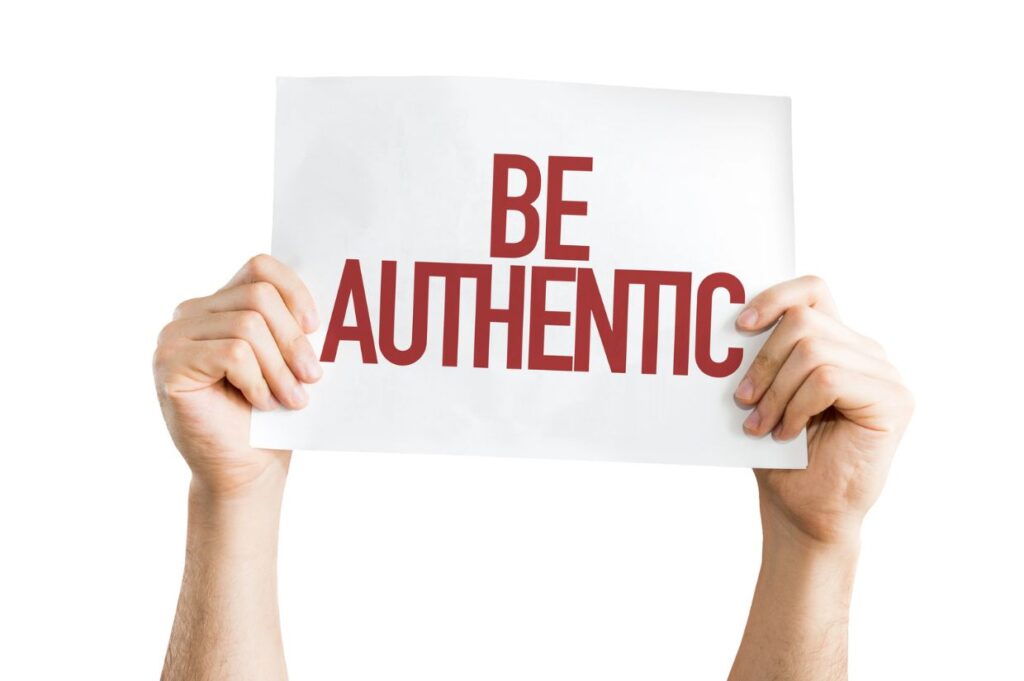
(244, 347)
(815, 373)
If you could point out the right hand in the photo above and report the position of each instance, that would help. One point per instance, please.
(244, 345)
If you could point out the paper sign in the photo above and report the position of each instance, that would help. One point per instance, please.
(532, 269)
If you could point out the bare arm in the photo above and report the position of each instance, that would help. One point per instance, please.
(227, 623)
(813, 373)
(797, 628)
(241, 347)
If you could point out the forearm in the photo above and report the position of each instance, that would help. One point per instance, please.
(227, 624)
(797, 629)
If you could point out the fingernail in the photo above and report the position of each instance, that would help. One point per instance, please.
(305, 364)
(746, 389)
(299, 396)
(308, 364)
(753, 420)
(312, 368)
(747, 318)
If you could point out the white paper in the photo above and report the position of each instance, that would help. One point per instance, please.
(401, 169)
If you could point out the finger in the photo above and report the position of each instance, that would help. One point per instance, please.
(251, 327)
(870, 402)
(188, 365)
(262, 297)
(766, 307)
(798, 323)
(809, 354)
(294, 293)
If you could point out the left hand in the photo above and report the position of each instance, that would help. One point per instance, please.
(815, 372)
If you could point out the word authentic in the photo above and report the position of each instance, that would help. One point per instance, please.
(610, 318)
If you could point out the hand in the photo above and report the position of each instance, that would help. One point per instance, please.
(244, 345)
(814, 372)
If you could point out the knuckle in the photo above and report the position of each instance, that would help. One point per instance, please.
(166, 333)
(259, 265)
(261, 294)
(826, 377)
(237, 351)
(800, 316)
(810, 350)
(165, 364)
(815, 282)
(248, 322)
(162, 357)
(181, 309)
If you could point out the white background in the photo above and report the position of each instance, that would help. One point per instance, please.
(136, 170)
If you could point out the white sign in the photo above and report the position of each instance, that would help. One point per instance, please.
(534, 269)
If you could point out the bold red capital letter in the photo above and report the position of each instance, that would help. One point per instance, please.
(453, 273)
(541, 318)
(502, 203)
(702, 351)
(652, 281)
(487, 315)
(421, 291)
(351, 286)
(554, 249)
(590, 307)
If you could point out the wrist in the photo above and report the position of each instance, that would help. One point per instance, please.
(812, 531)
(240, 520)
(801, 562)
(227, 483)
